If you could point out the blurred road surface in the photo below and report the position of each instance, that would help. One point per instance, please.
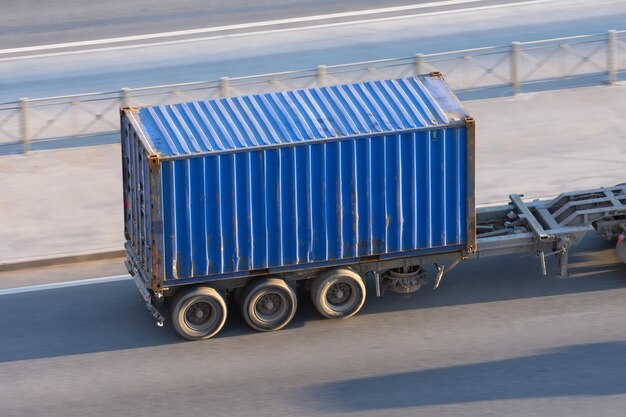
(45, 75)
(32, 22)
(495, 339)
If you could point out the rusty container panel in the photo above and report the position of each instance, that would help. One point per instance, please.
(299, 179)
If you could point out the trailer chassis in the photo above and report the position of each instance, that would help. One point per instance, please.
(550, 227)
(544, 227)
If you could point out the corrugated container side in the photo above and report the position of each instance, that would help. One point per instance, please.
(318, 202)
(300, 179)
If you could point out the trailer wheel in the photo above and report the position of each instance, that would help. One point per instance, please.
(198, 313)
(268, 304)
(338, 293)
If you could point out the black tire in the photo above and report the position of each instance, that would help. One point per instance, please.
(268, 304)
(198, 313)
(338, 293)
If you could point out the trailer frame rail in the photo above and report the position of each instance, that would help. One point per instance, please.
(550, 225)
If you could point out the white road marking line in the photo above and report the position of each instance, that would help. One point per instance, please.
(66, 284)
(238, 26)
(252, 25)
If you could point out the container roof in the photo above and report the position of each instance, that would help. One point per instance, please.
(273, 119)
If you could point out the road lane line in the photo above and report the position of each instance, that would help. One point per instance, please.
(66, 284)
(256, 25)
(241, 34)
(239, 26)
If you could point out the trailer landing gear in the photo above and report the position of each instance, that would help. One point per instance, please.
(405, 280)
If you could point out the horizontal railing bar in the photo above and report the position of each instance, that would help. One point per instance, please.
(468, 70)
(465, 51)
(73, 96)
(194, 83)
(600, 35)
(329, 68)
(377, 61)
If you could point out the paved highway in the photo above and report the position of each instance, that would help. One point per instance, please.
(495, 339)
(32, 22)
(265, 49)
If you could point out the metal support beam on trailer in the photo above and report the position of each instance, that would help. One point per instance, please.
(550, 225)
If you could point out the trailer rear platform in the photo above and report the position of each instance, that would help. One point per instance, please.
(551, 227)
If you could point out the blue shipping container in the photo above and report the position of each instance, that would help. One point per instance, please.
(297, 179)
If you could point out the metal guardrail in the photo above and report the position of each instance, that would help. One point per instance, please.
(602, 56)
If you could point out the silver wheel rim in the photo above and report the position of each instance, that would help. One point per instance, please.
(270, 307)
(341, 296)
(201, 315)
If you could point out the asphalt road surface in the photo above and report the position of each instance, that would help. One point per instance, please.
(495, 339)
(208, 57)
(33, 22)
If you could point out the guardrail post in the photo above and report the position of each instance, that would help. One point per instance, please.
(515, 79)
(611, 71)
(125, 97)
(74, 116)
(321, 75)
(225, 86)
(419, 64)
(24, 132)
